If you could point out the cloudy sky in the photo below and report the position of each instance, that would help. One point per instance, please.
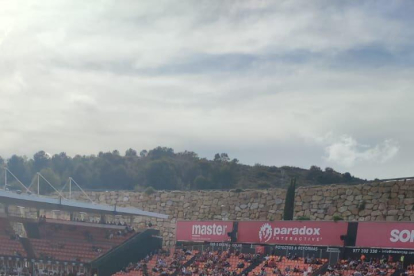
(300, 83)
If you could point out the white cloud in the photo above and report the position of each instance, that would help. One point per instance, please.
(83, 99)
(85, 77)
(348, 152)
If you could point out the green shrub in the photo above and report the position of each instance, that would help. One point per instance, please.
(149, 190)
(264, 185)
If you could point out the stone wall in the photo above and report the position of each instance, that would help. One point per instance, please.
(390, 201)
(197, 205)
(385, 201)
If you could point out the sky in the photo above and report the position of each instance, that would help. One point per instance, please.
(296, 83)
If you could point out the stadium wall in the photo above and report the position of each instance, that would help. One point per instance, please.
(384, 201)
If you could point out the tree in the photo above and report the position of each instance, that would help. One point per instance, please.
(61, 163)
(223, 178)
(217, 157)
(160, 152)
(40, 160)
(315, 174)
(290, 201)
(131, 153)
(182, 170)
(20, 168)
(82, 175)
(188, 154)
(161, 175)
(224, 157)
(202, 183)
(347, 177)
(116, 177)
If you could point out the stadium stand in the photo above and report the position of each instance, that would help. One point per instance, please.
(10, 244)
(76, 243)
(380, 267)
(291, 265)
(410, 270)
(59, 247)
(163, 262)
(224, 262)
(188, 262)
(43, 246)
(209, 262)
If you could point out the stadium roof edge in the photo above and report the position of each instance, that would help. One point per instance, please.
(31, 200)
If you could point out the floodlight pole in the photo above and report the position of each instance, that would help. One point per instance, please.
(53, 187)
(80, 188)
(5, 178)
(7, 170)
(38, 185)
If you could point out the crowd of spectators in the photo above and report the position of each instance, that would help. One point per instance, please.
(384, 266)
(290, 265)
(42, 219)
(100, 221)
(161, 262)
(24, 271)
(109, 234)
(185, 262)
(207, 262)
(223, 263)
(167, 263)
(6, 271)
(410, 270)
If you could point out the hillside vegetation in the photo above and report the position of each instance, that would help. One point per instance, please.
(162, 168)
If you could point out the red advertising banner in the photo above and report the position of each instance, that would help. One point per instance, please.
(292, 232)
(385, 234)
(212, 231)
